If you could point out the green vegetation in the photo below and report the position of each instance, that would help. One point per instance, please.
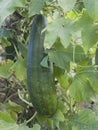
(70, 45)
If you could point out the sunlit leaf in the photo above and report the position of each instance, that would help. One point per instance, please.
(6, 117)
(89, 30)
(36, 6)
(67, 5)
(59, 27)
(92, 8)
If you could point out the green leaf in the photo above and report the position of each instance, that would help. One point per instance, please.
(67, 5)
(84, 85)
(36, 6)
(13, 126)
(8, 7)
(65, 126)
(36, 127)
(6, 125)
(60, 58)
(62, 77)
(89, 30)
(44, 62)
(63, 80)
(92, 8)
(77, 53)
(12, 106)
(19, 68)
(6, 33)
(22, 49)
(84, 120)
(59, 116)
(89, 36)
(24, 127)
(96, 56)
(84, 20)
(5, 68)
(59, 28)
(6, 117)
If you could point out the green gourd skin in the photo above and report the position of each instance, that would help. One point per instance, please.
(40, 81)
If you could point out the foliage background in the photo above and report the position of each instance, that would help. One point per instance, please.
(71, 44)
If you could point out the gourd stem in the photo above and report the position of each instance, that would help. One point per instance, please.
(31, 118)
